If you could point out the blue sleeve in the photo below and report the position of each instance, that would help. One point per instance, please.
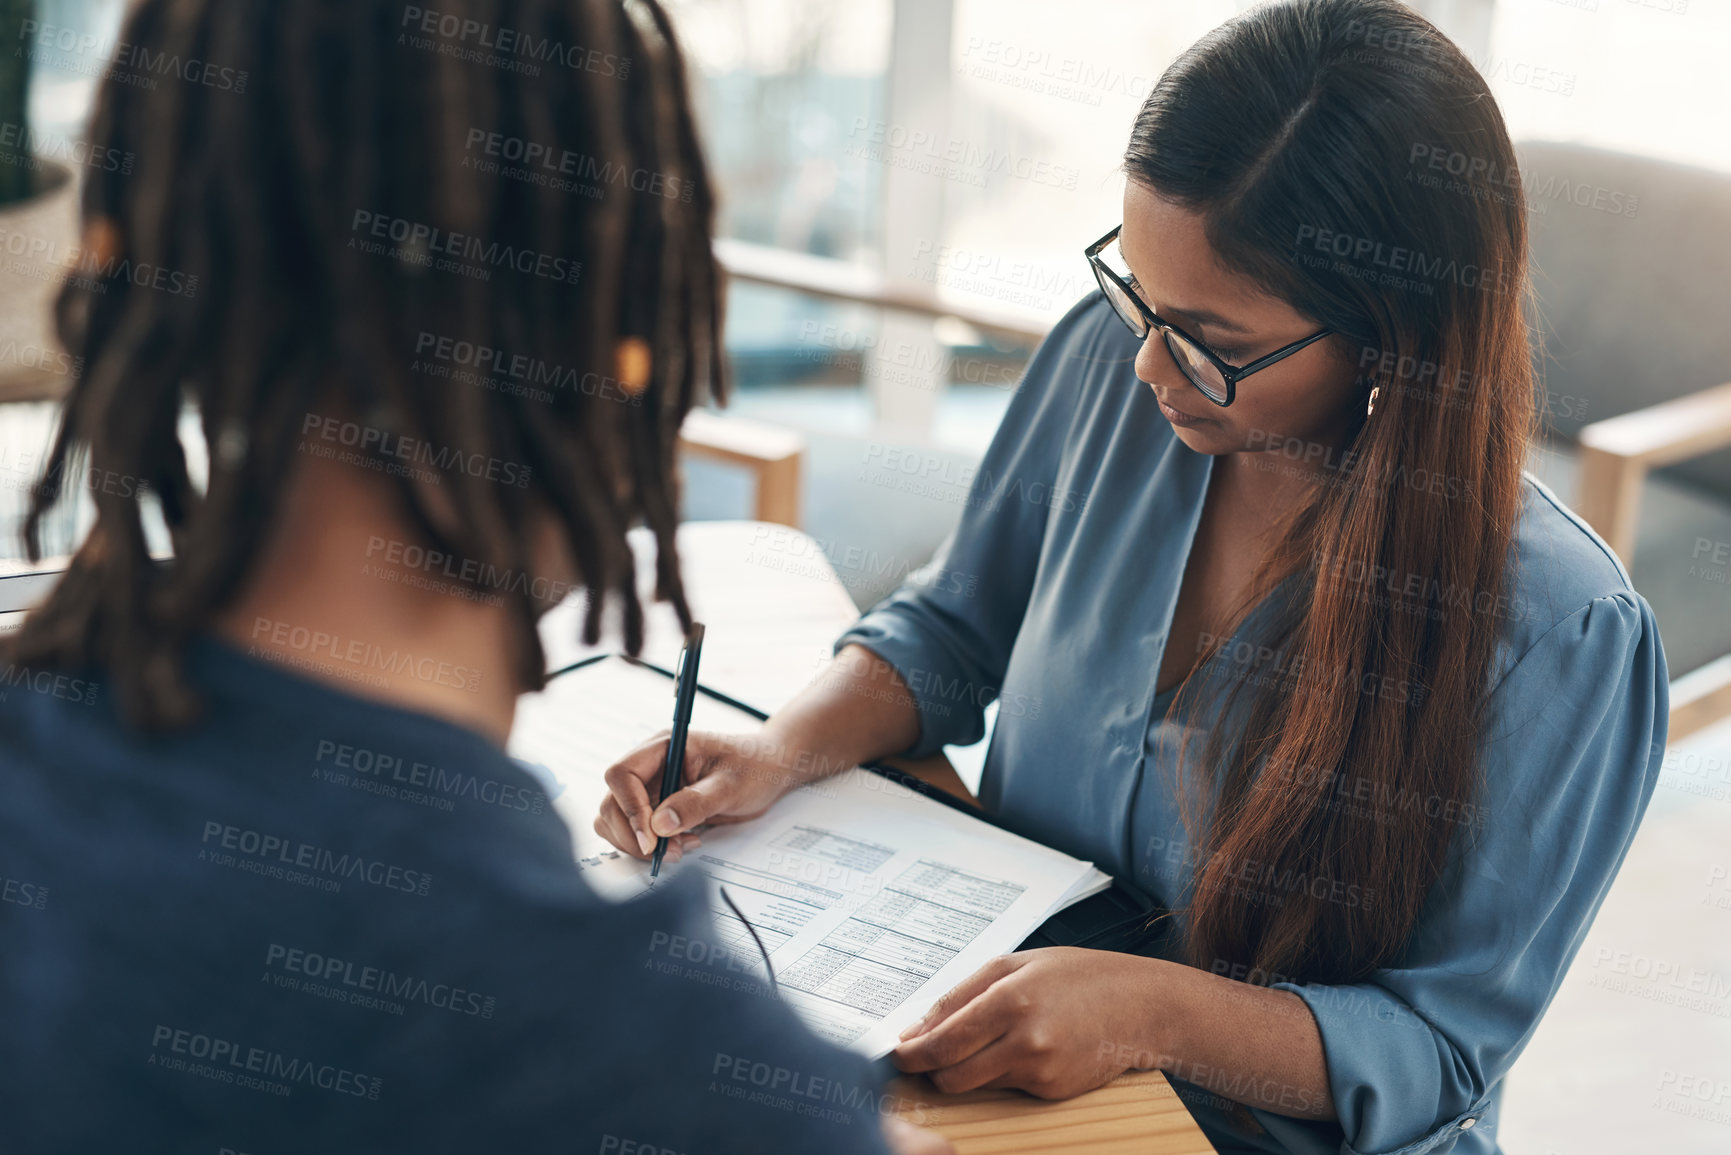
(1574, 744)
(949, 628)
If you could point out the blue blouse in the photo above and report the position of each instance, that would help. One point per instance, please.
(1077, 527)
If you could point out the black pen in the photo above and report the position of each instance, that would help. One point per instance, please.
(684, 694)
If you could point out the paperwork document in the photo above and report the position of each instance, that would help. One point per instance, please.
(871, 899)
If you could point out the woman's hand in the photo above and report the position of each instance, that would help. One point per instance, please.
(1053, 1022)
(728, 778)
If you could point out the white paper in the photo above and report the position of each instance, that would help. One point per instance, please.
(871, 899)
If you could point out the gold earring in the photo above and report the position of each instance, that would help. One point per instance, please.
(1370, 406)
(631, 362)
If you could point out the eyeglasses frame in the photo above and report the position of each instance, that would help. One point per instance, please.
(1231, 375)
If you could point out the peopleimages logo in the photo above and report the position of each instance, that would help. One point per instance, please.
(378, 981)
(439, 248)
(368, 655)
(485, 359)
(381, 766)
(262, 848)
(21, 893)
(78, 691)
(469, 570)
(544, 164)
(227, 1061)
(45, 258)
(414, 450)
(30, 146)
(498, 43)
(1388, 260)
(45, 358)
(881, 140)
(123, 62)
(800, 1092)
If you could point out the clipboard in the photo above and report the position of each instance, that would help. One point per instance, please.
(1116, 919)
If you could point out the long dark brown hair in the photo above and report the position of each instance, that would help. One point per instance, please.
(1347, 156)
(247, 192)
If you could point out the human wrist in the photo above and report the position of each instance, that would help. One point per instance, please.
(1159, 1013)
(1134, 1037)
(801, 752)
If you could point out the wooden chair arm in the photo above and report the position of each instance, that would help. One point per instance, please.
(1615, 456)
(836, 280)
(773, 454)
(32, 384)
(1617, 453)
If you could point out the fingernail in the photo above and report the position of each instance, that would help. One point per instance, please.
(910, 1032)
(644, 843)
(665, 823)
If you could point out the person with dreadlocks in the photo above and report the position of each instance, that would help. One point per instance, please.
(272, 883)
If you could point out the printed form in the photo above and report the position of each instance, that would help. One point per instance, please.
(871, 900)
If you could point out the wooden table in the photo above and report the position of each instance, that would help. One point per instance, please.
(1136, 1114)
(772, 606)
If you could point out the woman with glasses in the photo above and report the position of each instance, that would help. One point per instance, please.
(1296, 650)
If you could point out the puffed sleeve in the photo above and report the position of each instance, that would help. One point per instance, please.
(948, 629)
(1574, 744)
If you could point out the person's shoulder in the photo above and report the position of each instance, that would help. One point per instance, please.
(1083, 364)
(1090, 309)
(1090, 328)
(1558, 568)
(55, 724)
(1580, 688)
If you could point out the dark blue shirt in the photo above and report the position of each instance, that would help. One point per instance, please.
(312, 923)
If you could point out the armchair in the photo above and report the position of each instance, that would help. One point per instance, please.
(1632, 272)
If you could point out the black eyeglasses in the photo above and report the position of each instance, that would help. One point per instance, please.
(1217, 380)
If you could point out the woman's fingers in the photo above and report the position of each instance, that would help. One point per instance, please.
(720, 785)
(628, 804)
(695, 805)
(962, 994)
(611, 825)
(629, 782)
(964, 1033)
(679, 847)
(992, 1065)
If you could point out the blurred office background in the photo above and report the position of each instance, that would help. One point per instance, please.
(907, 187)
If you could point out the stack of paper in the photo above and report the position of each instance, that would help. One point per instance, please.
(871, 899)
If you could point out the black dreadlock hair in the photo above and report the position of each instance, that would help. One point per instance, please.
(252, 191)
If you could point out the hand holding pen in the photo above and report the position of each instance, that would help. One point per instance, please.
(703, 779)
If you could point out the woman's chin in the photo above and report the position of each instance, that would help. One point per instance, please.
(1202, 438)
